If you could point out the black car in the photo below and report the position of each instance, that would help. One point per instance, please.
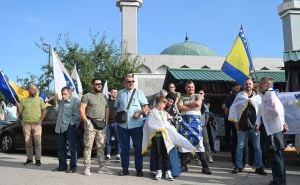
(12, 138)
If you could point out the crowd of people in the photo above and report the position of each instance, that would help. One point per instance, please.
(170, 124)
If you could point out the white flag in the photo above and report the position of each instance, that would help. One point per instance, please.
(61, 76)
(105, 90)
(76, 81)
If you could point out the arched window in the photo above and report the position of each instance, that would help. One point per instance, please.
(144, 69)
(162, 69)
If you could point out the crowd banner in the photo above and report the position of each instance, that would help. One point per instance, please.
(291, 103)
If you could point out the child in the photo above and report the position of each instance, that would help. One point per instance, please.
(159, 134)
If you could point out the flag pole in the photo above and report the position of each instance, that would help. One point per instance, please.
(249, 50)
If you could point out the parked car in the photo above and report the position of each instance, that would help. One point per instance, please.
(12, 138)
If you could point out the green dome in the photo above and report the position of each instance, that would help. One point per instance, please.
(188, 48)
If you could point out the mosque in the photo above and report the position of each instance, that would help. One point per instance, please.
(190, 60)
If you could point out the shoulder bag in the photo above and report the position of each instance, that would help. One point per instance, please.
(122, 116)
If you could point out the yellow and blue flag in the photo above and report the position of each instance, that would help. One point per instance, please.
(11, 91)
(238, 63)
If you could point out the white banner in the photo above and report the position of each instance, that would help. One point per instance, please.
(291, 103)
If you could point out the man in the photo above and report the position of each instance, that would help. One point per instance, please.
(230, 131)
(111, 129)
(205, 131)
(272, 116)
(94, 108)
(172, 88)
(190, 107)
(33, 111)
(243, 113)
(133, 128)
(66, 126)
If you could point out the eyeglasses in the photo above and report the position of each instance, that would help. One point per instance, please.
(171, 87)
(201, 93)
(132, 81)
(98, 84)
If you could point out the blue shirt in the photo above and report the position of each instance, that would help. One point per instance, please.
(138, 101)
(68, 113)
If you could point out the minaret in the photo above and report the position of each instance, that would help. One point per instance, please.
(289, 12)
(129, 10)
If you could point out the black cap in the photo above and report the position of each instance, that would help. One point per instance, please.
(172, 96)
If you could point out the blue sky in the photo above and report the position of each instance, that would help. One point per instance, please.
(160, 24)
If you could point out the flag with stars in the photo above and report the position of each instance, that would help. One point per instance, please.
(238, 63)
(191, 128)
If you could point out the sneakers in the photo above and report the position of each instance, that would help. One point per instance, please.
(38, 163)
(124, 172)
(105, 170)
(237, 170)
(118, 158)
(169, 176)
(72, 170)
(261, 171)
(28, 161)
(139, 173)
(107, 158)
(210, 159)
(158, 175)
(247, 167)
(206, 171)
(59, 169)
(87, 172)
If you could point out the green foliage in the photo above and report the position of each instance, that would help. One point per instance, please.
(102, 59)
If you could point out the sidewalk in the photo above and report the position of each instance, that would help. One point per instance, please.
(292, 159)
(12, 172)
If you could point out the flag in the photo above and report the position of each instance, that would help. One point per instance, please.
(105, 91)
(76, 81)
(61, 76)
(238, 63)
(11, 91)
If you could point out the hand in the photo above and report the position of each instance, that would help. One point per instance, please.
(137, 114)
(257, 128)
(285, 127)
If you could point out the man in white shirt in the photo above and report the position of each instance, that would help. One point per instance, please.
(271, 114)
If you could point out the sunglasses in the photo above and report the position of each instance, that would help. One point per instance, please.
(98, 84)
(132, 81)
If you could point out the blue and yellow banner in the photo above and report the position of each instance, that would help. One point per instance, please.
(11, 91)
(238, 63)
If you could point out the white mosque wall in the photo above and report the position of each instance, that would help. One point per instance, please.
(158, 64)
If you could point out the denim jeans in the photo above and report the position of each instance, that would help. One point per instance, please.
(111, 130)
(278, 167)
(136, 135)
(70, 137)
(242, 141)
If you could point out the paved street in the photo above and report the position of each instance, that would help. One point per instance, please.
(12, 172)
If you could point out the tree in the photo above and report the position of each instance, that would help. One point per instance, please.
(102, 59)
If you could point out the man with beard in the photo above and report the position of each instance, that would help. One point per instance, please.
(190, 107)
(243, 113)
(94, 109)
(33, 111)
